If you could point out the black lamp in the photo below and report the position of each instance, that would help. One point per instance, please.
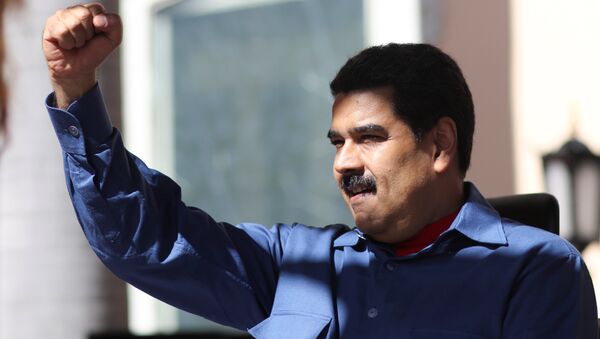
(573, 176)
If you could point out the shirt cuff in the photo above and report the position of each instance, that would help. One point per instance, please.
(85, 123)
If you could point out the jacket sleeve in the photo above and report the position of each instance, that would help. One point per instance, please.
(553, 298)
(136, 223)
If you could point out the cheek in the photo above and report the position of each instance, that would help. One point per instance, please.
(420, 174)
(404, 175)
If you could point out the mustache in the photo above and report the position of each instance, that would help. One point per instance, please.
(349, 182)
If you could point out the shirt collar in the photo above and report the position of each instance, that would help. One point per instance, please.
(350, 238)
(476, 220)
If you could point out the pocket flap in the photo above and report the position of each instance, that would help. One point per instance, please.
(291, 326)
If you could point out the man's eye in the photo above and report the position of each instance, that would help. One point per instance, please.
(337, 143)
(371, 138)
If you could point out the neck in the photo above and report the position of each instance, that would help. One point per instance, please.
(441, 199)
(451, 197)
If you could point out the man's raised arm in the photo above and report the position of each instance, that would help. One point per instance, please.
(133, 216)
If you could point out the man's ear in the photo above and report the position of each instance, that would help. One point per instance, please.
(445, 141)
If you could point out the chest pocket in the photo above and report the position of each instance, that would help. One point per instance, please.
(292, 326)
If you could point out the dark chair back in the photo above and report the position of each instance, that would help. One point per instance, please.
(536, 209)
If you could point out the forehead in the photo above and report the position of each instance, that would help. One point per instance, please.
(363, 107)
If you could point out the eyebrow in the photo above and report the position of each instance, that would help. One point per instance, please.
(332, 134)
(368, 128)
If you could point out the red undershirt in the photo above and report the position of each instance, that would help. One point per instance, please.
(426, 236)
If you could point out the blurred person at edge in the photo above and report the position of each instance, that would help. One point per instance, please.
(429, 257)
(3, 88)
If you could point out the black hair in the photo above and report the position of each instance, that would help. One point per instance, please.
(427, 85)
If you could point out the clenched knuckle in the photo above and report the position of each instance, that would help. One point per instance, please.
(74, 7)
(63, 31)
(82, 13)
(77, 26)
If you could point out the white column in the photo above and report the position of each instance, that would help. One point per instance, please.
(52, 286)
(392, 21)
(146, 314)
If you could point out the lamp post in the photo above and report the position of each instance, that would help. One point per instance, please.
(573, 177)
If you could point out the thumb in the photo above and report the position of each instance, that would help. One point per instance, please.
(109, 33)
(110, 28)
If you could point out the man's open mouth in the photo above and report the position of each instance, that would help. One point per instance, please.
(360, 190)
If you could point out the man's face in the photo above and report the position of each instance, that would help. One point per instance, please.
(384, 174)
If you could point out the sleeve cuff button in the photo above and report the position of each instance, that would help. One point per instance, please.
(74, 131)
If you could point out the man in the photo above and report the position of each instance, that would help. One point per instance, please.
(428, 259)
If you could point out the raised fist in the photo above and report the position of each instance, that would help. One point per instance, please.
(76, 41)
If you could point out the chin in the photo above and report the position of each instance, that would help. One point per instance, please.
(384, 231)
(368, 227)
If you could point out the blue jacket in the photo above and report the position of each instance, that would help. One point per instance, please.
(485, 277)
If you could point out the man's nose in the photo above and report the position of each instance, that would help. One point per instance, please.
(348, 160)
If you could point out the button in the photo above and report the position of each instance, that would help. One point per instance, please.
(391, 266)
(74, 131)
(372, 313)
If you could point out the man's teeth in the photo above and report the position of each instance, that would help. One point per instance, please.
(358, 190)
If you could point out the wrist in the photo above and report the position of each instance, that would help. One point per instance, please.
(68, 90)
